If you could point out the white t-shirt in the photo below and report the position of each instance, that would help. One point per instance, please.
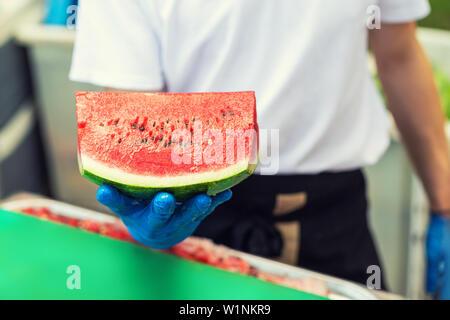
(305, 59)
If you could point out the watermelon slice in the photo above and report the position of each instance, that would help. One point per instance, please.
(182, 143)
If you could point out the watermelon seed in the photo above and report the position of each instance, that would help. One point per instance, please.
(134, 126)
(144, 140)
(230, 112)
(186, 124)
(102, 124)
(116, 122)
(141, 128)
(165, 144)
(167, 121)
(169, 143)
(160, 139)
(180, 143)
(224, 115)
(153, 138)
(154, 124)
(120, 141)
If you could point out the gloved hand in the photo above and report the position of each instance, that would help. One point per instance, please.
(160, 223)
(438, 257)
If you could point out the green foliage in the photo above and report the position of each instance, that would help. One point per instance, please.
(440, 15)
(443, 83)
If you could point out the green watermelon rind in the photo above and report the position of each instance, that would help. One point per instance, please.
(180, 193)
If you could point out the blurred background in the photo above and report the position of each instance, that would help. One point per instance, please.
(38, 144)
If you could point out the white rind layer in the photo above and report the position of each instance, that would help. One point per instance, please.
(120, 176)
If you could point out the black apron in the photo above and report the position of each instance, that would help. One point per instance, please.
(334, 236)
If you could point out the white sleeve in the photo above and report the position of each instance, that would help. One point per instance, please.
(116, 46)
(401, 11)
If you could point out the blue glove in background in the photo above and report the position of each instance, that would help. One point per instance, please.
(161, 222)
(438, 257)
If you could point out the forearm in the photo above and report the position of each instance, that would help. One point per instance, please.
(414, 102)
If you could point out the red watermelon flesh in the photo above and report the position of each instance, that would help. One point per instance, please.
(184, 143)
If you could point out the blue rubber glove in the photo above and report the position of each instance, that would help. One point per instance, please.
(161, 222)
(438, 257)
